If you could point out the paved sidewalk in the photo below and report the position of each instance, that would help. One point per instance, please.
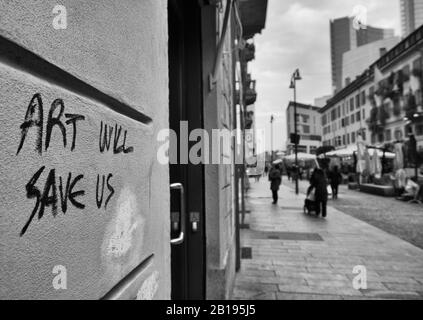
(296, 256)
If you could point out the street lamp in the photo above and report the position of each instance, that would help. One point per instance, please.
(294, 78)
(271, 137)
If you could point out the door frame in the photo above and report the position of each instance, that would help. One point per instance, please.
(186, 104)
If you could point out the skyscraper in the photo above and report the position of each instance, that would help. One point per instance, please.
(411, 15)
(343, 37)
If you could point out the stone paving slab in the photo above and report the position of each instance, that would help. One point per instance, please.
(307, 269)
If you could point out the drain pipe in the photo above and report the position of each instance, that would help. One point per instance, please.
(218, 58)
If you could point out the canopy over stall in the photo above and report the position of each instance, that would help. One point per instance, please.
(301, 156)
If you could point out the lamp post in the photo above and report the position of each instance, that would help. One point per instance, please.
(295, 76)
(271, 137)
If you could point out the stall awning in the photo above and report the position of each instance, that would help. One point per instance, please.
(253, 16)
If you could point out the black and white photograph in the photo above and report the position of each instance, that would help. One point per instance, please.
(222, 152)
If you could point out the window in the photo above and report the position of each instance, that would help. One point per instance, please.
(419, 130)
(343, 122)
(388, 135)
(357, 101)
(363, 98)
(398, 134)
(352, 104)
(305, 117)
(352, 119)
(306, 129)
(364, 114)
(353, 137)
(406, 72)
(347, 121)
(363, 134)
(348, 138)
(380, 137)
(333, 114)
(343, 139)
(357, 116)
(417, 64)
(302, 149)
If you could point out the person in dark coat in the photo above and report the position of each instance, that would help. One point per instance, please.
(275, 179)
(318, 182)
(335, 178)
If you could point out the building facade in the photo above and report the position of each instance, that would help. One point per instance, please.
(343, 117)
(411, 15)
(356, 61)
(308, 127)
(343, 37)
(321, 101)
(90, 188)
(384, 104)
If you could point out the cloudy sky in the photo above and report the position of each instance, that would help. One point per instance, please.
(297, 36)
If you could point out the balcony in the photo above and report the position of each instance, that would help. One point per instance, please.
(250, 92)
(249, 52)
(249, 119)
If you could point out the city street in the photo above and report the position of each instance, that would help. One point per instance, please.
(290, 255)
(404, 220)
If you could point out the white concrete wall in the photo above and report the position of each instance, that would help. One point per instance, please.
(119, 48)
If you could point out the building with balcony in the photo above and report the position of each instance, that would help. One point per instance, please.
(163, 228)
(384, 104)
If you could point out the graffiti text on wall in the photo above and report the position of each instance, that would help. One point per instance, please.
(59, 191)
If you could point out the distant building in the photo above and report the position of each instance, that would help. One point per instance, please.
(411, 15)
(355, 61)
(384, 104)
(308, 127)
(344, 37)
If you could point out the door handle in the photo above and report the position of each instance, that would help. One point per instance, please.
(182, 218)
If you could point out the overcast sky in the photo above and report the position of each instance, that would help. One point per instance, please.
(297, 36)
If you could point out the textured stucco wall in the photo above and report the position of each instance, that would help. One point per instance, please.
(120, 48)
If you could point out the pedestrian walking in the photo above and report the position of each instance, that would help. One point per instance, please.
(318, 182)
(266, 169)
(275, 179)
(335, 178)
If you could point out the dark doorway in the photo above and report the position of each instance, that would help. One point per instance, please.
(187, 192)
